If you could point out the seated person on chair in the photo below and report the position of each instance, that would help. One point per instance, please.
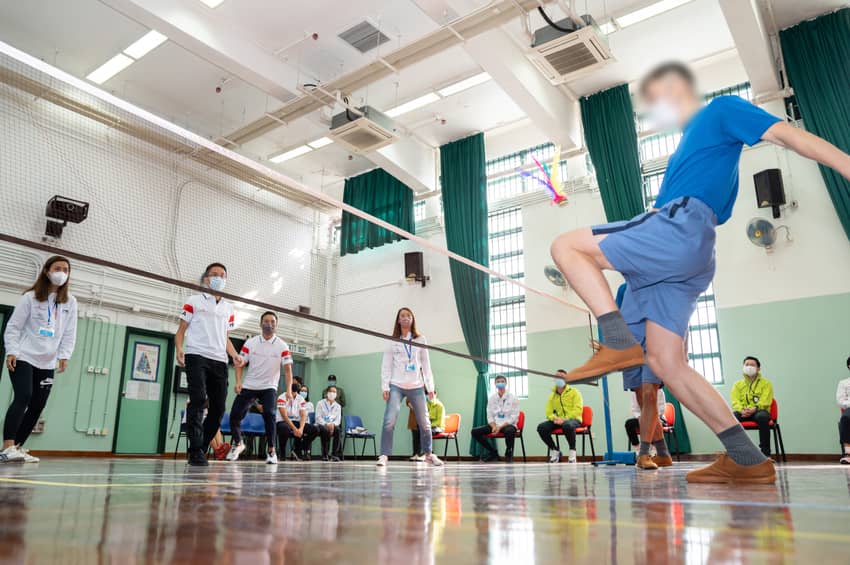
(842, 395)
(328, 420)
(292, 422)
(502, 417)
(340, 392)
(751, 400)
(304, 393)
(633, 423)
(437, 416)
(563, 411)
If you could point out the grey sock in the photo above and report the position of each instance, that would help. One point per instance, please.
(661, 448)
(740, 447)
(615, 331)
(644, 448)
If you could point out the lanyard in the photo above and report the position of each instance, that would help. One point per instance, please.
(750, 386)
(55, 307)
(408, 348)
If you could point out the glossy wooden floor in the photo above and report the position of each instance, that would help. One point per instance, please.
(152, 511)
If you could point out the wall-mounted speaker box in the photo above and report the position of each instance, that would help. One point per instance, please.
(770, 192)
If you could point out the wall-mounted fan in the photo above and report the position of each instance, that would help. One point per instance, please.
(554, 276)
(762, 232)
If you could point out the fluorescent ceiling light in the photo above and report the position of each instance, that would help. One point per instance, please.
(462, 85)
(110, 68)
(412, 105)
(649, 12)
(608, 27)
(212, 3)
(291, 154)
(321, 142)
(148, 42)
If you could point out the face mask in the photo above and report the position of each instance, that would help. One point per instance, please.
(58, 278)
(750, 371)
(664, 115)
(303, 394)
(268, 328)
(501, 386)
(217, 283)
(560, 383)
(331, 396)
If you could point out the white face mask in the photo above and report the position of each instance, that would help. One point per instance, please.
(750, 371)
(217, 283)
(664, 115)
(331, 396)
(58, 278)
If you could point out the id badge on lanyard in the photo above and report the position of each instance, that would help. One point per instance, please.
(408, 348)
(49, 330)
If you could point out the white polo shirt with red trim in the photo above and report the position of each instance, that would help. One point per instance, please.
(292, 407)
(209, 321)
(265, 357)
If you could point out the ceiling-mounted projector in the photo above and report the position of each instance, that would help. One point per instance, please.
(364, 130)
(569, 52)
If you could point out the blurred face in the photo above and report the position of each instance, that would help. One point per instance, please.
(405, 319)
(670, 101)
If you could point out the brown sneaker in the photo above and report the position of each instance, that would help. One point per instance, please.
(607, 360)
(726, 471)
(646, 463)
(666, 461)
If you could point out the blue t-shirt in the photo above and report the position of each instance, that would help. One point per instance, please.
(705, 165)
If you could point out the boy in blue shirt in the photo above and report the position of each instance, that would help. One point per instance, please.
(667, 255)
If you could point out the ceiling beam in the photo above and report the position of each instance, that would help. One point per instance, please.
(753, 43)
(411, 162)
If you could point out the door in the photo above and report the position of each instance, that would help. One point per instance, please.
(145, 391)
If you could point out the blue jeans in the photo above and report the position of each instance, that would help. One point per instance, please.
(416, 396)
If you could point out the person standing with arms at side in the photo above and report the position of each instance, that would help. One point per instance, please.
(502, 416)
(39, 340)
(264, 354)
(202, 342)
(406, 373)
(842, 395)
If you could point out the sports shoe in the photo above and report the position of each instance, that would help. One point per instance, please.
(382, 461)
(198, 460)
(308, 456)
(417, 459)
(726, 471)
(509, 456)
(646, 463)
(606, 360)
(271, 458)
(663, 461)
(845, 460)
(554, 456)
(334, 459)
(221, 452)
(236, 451)
(433, 460)
(27, 457)
(11, 455)
(293, 456)
(571, 456)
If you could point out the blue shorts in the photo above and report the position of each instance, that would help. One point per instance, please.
(667, 259)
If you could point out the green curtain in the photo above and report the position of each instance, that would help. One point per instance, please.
(464, 186)
(382, 195)
(609, 132)
(817, 60)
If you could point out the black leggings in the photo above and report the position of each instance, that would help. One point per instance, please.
(32, 387)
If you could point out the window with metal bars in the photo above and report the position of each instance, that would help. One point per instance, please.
(418, 210)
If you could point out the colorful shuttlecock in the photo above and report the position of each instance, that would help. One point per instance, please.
(550, 177)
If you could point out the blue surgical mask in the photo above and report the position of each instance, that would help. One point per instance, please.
(501, 386)
(268, 328)
(217, 283)
(303, 394)
(559, 383)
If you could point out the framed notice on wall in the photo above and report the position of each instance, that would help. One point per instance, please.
(145, 362)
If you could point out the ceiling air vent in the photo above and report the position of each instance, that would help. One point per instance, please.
(363, 36)
(562, 56)
(361, 134)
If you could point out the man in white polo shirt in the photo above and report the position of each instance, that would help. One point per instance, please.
(203, 345)
(264, 354)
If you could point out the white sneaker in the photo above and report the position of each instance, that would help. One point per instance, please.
(382, 461)
(235, 451)
(11, 455)
(554, 456)
(572, 456)
(27, 457)
(433, 460)
(271, 458)
(417, 459)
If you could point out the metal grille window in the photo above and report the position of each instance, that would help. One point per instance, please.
(743, 90)
(419, 211)
(704, 339)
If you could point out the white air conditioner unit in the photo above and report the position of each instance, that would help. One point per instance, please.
(562, 56)
(361, 134)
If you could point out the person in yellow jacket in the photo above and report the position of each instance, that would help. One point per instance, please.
(437, 416)
(563, 410)
(751, 400)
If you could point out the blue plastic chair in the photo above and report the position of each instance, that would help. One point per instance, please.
(352, 422)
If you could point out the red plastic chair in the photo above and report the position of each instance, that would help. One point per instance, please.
(779, 445)
(450, 431)
(583, 431)
(520, 425)
(669, 434)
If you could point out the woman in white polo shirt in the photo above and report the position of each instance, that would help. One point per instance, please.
(406, 373)
(202, 345)
(39, 340)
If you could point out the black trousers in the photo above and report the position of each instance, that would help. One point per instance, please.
(545, 429)
(762, 418)
(326, 435)
(632, 428)
(844, 427)
(32, 387)
(242, 403)
(207, 381)
(302, 444)
(479, 433)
